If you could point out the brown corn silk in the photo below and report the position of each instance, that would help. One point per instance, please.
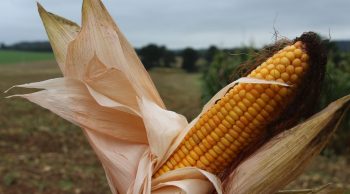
(243, 114)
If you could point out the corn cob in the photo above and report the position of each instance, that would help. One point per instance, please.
(241, 115)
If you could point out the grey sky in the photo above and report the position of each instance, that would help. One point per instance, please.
(197, 23)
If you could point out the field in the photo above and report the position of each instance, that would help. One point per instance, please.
(41, 153)
(11, 57)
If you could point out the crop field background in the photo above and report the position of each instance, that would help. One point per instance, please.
(42, 153)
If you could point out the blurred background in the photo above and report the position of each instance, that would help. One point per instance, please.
(190, 49)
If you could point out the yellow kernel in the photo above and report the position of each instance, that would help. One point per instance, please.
(259, 76)
(260, 102)
(212, 153)
(222, 127)
(226, 124)
(230, 120)
(256, 106)
(181, 165)
(269, 60)
(220, 115)
(161, 171)
(225, 141)
(290, 56)
(190, 160)
(278, 98)
(200, 134)
(298, 70)
(296, 62)
(294, 77)
(264, 71)
(273, 103)
(197, 150)
(265, 97)
(255, 93)
(170, 166)
(265, 113)
(237, 98)
(185, 162)
(242, 106)
(177, 157)
(270, 92)
(244, 120)
(285, 61)
(173, 161)
(270, 66)
(222, 146)
(215, 136)
(276, 61)
(252, 111)
(223, 111)
(240, 124)
(283, 92)
(233, 115)
(211, 139)
(269, 77)
(250, 97)
(281, 68)
(218, 132)
(206, 143)
(238, 110)
(259, 87)
(304, 65)
(245, 135)
(290, 69)
(202, 148)
(305, 57)
(248, 86)
(200, 164)
(269, 108)
(242, 93)
(229, 137)
(260, 118)
(184, 150)
(248, 116)
(234, 133)
(228, 106)
(217, 150)
(209, 157)
(285, 76)
(246, 102)
(275, 73)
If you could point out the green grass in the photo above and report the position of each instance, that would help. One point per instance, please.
(11, 57)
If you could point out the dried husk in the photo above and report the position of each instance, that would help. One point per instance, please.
(286, 155)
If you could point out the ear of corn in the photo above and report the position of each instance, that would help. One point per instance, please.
(241, 115)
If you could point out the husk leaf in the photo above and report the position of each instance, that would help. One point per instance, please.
(285, 156)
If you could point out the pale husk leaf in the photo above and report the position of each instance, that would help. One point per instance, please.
(188, 180)
(70, 99)
(119, 158)
(60, 32)
(284, 157)
(110, 87)
(162, 126)
(100, 36)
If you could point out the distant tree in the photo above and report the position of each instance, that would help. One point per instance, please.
(2, 46)
(210, 53)
(150, 55)
(189, 57)
(168, 57)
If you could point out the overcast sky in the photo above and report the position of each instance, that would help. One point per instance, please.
(196, 23)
